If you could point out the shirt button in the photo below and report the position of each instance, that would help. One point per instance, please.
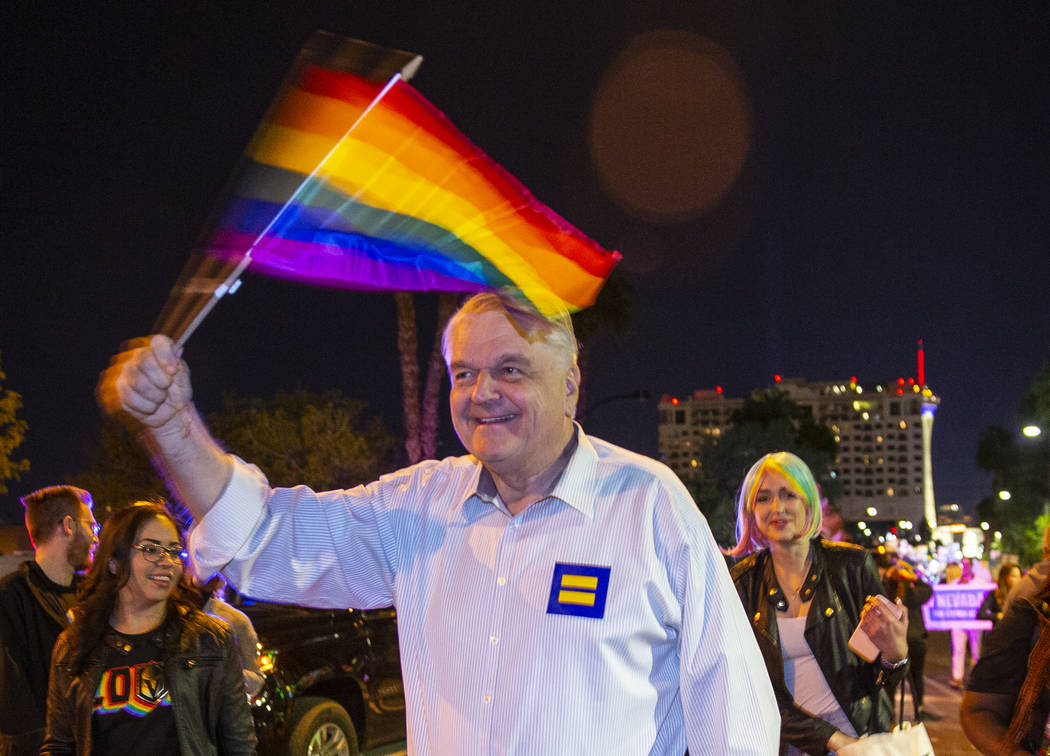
(501, 580)
(493, 640)
(487, 697)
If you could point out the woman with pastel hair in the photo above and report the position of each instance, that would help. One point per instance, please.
(141, 669)
(805, 597)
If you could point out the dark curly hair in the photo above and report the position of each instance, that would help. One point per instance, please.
(98, 594)
(1038, 677)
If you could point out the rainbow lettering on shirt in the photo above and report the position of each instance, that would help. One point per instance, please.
(135, 690)
(579, 590)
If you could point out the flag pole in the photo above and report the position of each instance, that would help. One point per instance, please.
(232, 282)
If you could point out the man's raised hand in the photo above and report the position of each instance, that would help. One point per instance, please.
(147, 383)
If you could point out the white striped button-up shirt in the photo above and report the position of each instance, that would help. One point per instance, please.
(599, 620)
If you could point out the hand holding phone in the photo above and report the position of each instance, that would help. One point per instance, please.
(861, 644)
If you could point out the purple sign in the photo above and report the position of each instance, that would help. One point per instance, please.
(955, 605)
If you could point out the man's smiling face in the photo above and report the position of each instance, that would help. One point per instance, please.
(512, 396)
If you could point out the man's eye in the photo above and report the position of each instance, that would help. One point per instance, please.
(463, 375)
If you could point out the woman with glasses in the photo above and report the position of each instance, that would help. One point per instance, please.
(141, 669)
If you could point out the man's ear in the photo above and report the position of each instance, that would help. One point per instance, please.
(68, 525)
(572, 381)
(572, 390)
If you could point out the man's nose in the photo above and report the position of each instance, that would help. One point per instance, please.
(485, 387)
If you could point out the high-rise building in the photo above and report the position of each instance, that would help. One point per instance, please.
(883, 433)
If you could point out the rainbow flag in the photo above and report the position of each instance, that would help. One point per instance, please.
(363, 184)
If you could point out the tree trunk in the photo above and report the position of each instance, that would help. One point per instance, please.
(435, 371)
(408, 346)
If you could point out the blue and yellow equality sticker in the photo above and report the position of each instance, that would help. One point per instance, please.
(579, 590)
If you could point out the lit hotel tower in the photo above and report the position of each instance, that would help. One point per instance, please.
(882, 432)
(929, 406)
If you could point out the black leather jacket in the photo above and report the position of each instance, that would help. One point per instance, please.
(203, 672)
(840, 579)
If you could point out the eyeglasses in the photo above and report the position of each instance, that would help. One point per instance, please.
(153, 552)
(93, 526)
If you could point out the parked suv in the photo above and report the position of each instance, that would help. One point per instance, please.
(332, 680)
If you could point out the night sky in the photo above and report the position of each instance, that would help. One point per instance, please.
(796, 188)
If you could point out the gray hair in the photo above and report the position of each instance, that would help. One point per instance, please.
(555, 330)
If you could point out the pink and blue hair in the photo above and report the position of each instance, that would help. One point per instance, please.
(799, 477)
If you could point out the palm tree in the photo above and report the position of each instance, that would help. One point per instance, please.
(420, 412)
(611, 311)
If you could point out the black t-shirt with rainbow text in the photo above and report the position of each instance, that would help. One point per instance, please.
(132, 712)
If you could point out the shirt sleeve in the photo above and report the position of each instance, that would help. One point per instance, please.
(247, 640)
(727, 698)
(294, 545)
(1004, 653)
(236, 729)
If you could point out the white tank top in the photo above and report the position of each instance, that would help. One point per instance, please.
(804, 678)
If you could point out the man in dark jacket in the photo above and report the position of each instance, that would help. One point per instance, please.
(34, 605)
(901, 581)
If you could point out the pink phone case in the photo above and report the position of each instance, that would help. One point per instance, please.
(861, 644)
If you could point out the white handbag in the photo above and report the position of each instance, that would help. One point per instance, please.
(906, 739)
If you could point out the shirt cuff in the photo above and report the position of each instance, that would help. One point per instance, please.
(216, 538)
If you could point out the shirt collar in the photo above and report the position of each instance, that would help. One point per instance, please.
(575, 485)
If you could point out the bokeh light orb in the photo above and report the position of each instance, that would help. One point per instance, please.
(670, 126)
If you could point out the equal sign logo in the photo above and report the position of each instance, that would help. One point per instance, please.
(579, 590)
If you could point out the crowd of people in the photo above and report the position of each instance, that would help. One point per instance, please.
(108, 643)
(555, 593)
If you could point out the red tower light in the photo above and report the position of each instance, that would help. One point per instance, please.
(921, 360)
(674, 400)
(718, 389)
(776, 378)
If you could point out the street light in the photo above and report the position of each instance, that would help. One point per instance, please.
(1032, 431)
